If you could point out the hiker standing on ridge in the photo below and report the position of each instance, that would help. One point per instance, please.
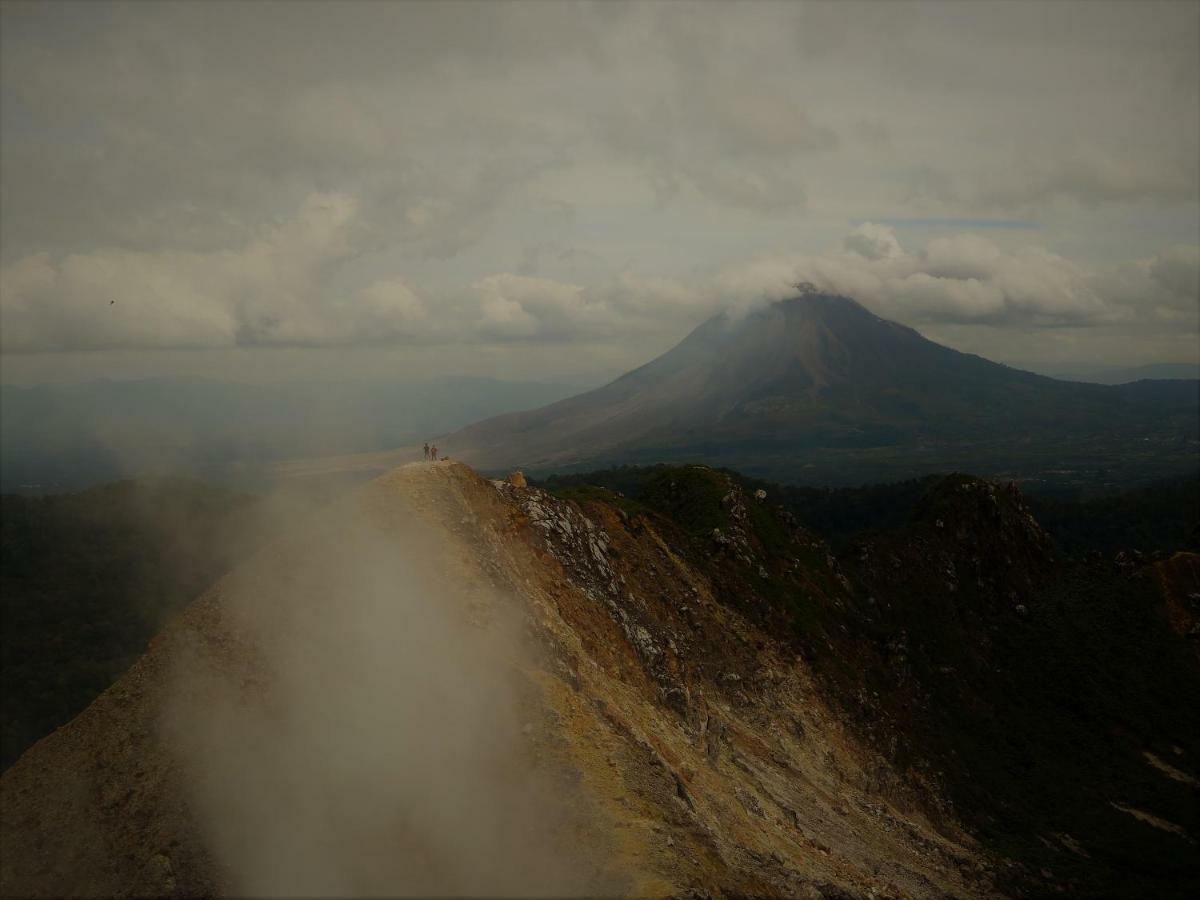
(427, 449)
(433, 452)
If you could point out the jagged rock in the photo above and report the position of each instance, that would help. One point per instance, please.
(749, 801)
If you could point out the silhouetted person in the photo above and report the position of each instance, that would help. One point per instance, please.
(427, 449)
(433, 452)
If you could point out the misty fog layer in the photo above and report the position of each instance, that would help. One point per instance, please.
(365, 738)
(56, 437)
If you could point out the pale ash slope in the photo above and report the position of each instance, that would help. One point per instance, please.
(688, 751)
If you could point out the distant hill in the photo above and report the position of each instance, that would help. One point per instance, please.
(818, 389)
(1126, 374)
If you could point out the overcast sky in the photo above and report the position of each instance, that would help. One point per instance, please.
(560, 191)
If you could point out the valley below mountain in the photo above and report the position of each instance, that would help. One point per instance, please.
(444, 684)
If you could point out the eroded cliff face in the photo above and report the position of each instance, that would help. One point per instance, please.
(492, 690)
(739, 777)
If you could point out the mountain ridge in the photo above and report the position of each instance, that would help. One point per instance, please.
(694, 752)
(725, 706)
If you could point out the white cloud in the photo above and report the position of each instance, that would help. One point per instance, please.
(961, 256)
(653, 298)
(965, 278)
(1165, 287)
(522, 306)
(872, 241)
(107, 298)
(273, 290)
(932, 298)
(518, 306)
(1177, 269)
(1089, 177)
(292, 284)
(143, 147)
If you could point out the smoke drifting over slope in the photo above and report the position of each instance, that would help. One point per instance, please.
(448, 686)
(367, 739)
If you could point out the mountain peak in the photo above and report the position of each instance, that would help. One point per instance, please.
(821, 301)
(805, 305)
(816, 376)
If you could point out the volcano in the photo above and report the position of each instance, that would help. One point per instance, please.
(818, 387)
